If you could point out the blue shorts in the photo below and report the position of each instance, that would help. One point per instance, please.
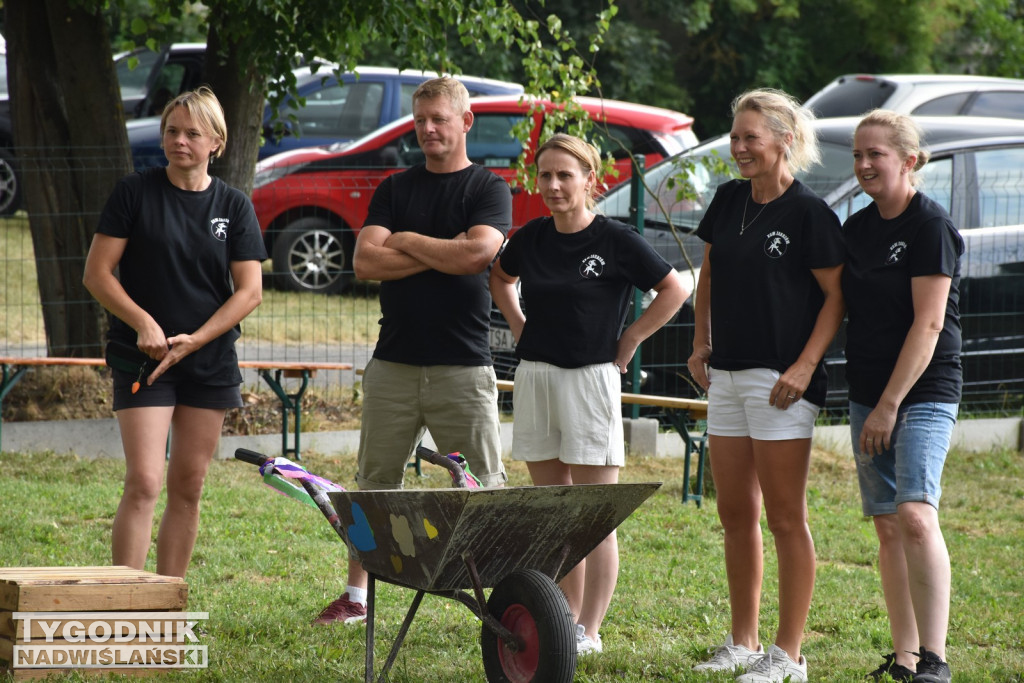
(172, 389)
(910, 471)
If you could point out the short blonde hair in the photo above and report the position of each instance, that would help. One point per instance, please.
(903, 133)
(783, 114)
(445, 86)
(583, 151)
(204, 108)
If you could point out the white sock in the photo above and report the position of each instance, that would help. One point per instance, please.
(357, 595)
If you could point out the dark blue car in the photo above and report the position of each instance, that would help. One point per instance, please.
(334, 111)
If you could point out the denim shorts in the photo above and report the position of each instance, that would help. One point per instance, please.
(911, 469)
(738, 406)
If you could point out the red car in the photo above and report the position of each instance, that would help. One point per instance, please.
(311, 202)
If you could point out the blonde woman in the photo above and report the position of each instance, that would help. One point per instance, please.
(903, 369)
(768, 305)
(187, 249)
(578, 271)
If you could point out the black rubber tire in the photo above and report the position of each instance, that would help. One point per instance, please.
(531, 605)
(312, 254)
(10, 183)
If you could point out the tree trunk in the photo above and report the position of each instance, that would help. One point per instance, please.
(240, 89)
(72, 147)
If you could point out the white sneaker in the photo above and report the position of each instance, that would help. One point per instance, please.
(584, 643)
(730, 657)
(775, 666)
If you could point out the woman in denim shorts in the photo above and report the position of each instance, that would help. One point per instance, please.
(901, 284)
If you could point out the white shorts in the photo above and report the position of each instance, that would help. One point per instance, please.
(573, 415)
(738, 406)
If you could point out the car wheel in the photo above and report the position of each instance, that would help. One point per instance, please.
(314, 255)
(10, 185)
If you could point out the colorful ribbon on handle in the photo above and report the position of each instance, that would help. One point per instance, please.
(277, 471)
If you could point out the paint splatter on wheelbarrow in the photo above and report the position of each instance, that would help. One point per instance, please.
(517, 540)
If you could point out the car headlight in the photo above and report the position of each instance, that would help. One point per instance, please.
(265, 176)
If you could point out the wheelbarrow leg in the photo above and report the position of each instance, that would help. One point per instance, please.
(402, 632)
(371, 590)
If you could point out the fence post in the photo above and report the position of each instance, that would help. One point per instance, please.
(636, 212)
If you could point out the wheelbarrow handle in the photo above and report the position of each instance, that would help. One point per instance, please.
(435, 458)
(251, 457)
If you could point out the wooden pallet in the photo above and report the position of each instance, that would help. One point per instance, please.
(78, 589)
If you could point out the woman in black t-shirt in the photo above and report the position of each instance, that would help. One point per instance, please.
(901, 284)
(578, 271)
(768, 305)
(187, 249)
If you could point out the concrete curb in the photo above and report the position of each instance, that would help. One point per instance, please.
(101, 438)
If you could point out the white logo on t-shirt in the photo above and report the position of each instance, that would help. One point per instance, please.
(776, 244)
(592, 266)
(896, 252)
(219, 228)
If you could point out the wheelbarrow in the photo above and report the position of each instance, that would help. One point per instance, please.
(518, 541)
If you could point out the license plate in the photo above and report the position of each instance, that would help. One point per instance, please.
(502, 340)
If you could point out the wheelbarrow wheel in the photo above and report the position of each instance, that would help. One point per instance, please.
(532, 606)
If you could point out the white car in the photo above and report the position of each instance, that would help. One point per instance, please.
(921, 95)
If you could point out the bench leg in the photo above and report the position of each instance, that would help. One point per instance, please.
(291, 404)
(692, 445)
(12, 374)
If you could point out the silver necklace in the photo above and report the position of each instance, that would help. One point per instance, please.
(743, 221)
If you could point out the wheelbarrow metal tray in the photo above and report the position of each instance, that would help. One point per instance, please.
(418, 538)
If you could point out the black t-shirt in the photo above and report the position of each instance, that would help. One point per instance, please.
(433, 318)
(177, 262)
(764, 297)
(576, 287)
(882, 257)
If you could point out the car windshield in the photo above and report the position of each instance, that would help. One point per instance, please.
(852, 96)
(679, 189)
(133, 70)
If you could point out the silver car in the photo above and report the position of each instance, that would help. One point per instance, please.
(920, 95)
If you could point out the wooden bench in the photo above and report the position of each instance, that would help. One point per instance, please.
(14, 368)
(681, 412)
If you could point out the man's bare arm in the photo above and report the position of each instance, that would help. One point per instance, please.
(373, 260)
(468, 254)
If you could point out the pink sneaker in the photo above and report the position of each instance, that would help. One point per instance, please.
(343, 610)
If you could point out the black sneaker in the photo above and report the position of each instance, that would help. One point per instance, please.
(896, 672)
(931, 669)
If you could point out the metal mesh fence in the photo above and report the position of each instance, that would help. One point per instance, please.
(342, 327)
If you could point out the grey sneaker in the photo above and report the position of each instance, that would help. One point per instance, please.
(730, 657)
(931, 669)
(586, 645)
(775, 666)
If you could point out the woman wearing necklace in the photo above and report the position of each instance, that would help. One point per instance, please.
(768, 305)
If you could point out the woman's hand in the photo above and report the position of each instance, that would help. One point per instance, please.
(876, 434)
(791, 385)
(697, 364)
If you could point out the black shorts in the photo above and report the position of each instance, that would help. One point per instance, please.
(173, 389)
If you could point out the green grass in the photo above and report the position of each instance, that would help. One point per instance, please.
(264, 565)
